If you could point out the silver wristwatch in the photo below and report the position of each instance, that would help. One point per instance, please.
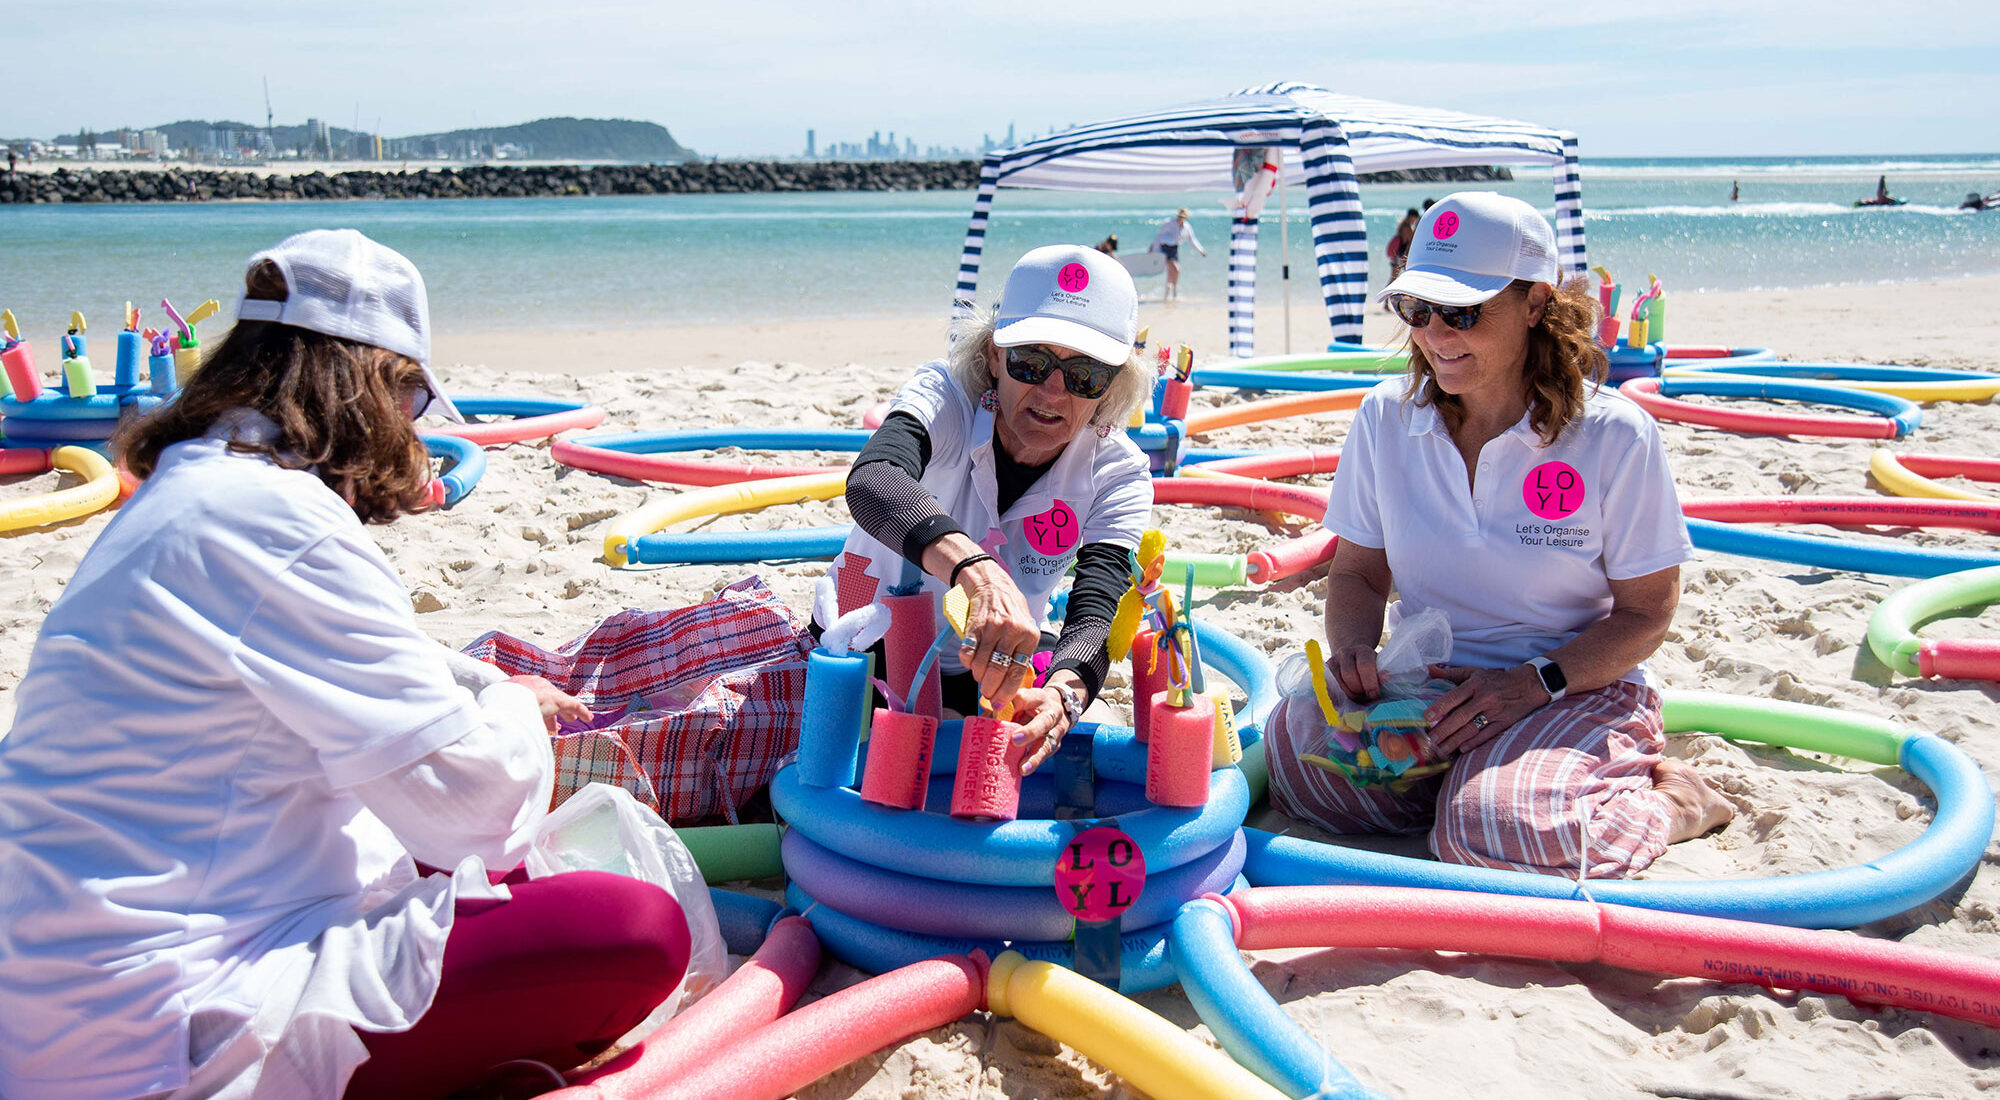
(1072, 703)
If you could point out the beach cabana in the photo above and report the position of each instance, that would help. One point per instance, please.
(1323, 140)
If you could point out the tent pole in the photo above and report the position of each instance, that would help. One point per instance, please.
(1284, 250)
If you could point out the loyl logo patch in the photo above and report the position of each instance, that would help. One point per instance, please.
(1553, 490)
(1445, 225)
(1073, 278)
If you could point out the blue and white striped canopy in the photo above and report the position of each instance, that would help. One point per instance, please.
(1326, 140)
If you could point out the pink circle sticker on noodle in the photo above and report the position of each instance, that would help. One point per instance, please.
(1553, 490)
(1100, 873)
(1053, 533)
(1073, 278)
(1445, 225)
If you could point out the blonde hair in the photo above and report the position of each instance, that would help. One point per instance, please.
(1563, 355)
(970, 369)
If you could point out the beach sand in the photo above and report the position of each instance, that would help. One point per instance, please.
(521, 554)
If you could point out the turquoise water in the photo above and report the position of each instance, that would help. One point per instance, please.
(678, 259)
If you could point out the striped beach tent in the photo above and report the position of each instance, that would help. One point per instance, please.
(1324, 141)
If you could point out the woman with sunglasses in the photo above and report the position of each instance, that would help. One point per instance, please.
(235, 752)
(1502, 484)
(1000, 467)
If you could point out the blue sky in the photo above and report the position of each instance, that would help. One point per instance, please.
(748, 77)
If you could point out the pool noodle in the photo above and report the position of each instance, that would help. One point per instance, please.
(830, 729)
(913, 630)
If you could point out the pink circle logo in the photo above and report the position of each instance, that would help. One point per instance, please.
(1073, 278)
(1553, 490)
(1100, 873)
(1445, 225)
(1053, 533)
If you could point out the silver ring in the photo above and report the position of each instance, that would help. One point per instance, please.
(971, 642)
(1001, 659)
(1480, 721)
(1023, 658)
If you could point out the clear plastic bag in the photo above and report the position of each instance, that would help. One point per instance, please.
(603, 828)
(1383, 742)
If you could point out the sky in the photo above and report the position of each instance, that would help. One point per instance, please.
(747, 78)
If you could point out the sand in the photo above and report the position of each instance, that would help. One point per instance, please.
(521, 554)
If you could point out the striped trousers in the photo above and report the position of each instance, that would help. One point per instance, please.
(1571, 784)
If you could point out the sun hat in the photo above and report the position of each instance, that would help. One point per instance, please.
(1071, 296)
(1471, 245)
(341, 283)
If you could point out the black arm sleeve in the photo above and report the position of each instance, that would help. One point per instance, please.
(1103, 573)
(883, 494)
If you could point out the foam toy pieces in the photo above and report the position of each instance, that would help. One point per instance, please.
(18, 358)
(131, 349)
(1134, 604)
(187, 356)
(1181, 737)
(77, 378)
(1385, 744)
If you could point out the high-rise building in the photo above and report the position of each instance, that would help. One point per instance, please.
(809, 145)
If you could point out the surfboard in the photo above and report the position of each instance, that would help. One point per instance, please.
(1141, 264)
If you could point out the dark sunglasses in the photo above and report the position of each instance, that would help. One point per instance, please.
(1416, 312)
(1082, 376)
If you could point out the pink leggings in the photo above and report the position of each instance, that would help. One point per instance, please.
(555, 974)
(1570, 784)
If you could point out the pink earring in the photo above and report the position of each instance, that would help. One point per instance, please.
(990, 400)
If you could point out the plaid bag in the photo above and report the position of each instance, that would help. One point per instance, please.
(693, 708)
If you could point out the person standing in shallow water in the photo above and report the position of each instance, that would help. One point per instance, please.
(1174, 232)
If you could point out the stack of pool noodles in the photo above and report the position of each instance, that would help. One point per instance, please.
(888, 878)
(78, 411)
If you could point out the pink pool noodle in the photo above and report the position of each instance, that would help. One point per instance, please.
(1149, 678)
(760, 991)
(1859, 968)
(899, 759)
(23, 460)
(1179, 750)
(912, 629)
(19, 362)
(1959, 659)
(988, 784)
(811, 1042)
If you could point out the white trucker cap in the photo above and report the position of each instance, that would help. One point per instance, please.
(339, 282)
(1071, 296)
(1471, 245)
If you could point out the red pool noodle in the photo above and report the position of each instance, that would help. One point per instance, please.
(1645, 392)
(1965, 466)
(805, 1045)
(1959, 659)
(673, 471)
(1179, 748)
(1859, 968)
(988, 783)
(523, 429)
(23, 460)
(1280, 464)
(760, 991)
(1262, 496)
(1972, 515)
(912, 628)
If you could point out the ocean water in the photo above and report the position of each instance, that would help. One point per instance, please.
(681, 259)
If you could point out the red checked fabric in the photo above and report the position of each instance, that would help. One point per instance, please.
(695, 707)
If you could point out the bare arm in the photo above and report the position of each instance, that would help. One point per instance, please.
(1357, 594)
(1642, 608)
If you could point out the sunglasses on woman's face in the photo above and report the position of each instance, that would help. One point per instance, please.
(1082, 375)
(1417, 313)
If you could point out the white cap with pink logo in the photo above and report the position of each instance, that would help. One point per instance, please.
(1073, 297)
(1471, 245)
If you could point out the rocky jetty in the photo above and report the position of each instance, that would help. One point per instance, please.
(535, 181)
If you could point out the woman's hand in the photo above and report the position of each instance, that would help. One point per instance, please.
(998, 624)
(1039, 712)
(1486, 701)
(1353, 668)
(555, 703)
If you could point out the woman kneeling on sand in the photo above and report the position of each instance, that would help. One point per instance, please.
(233, 745)
(998, 468)
(1499, 484)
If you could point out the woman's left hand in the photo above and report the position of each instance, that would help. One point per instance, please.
(1039, 713)
(1485, 702)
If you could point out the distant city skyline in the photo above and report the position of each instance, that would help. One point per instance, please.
(1677, 77)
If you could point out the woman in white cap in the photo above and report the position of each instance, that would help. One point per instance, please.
(1500, 483)
(999, 467)
(233, 748)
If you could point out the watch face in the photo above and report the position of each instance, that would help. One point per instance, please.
(1552, 677)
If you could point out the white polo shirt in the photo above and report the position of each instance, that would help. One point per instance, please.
(195, 894)
(1100, 489)
(1522, 558)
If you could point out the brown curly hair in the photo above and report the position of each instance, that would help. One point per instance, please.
(341, 407)
(1563, 355)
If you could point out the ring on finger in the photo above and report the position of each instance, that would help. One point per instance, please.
(971, 642)
(1480, 721)
(1001, 659)
(1021, 658)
